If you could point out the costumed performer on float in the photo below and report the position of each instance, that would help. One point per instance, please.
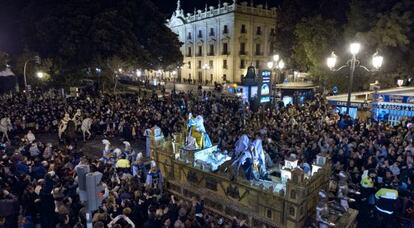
(240, 155)
(195, 128)
(259, 159)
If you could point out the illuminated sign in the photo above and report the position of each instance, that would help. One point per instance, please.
(266, 86)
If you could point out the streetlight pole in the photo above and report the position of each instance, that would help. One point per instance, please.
(205, 68)
(37, 60)
(351, 80)
(353, 63)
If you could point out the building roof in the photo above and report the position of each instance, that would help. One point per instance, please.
(179, 17)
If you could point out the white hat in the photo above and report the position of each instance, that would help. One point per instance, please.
(153, 164)
(139, 156)
(126, 143)
(106, 142)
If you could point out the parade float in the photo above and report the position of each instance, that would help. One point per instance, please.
(288, 197)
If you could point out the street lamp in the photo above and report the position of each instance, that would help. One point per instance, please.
(37, 60)
(354, 49)
(277, 64)
(40, 75)
(276, 58)
(174, 73)
(205, 68)
(270, 65)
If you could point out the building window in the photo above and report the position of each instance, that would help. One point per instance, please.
(243, 29)
(225, 29)
(189, 36)
(224, 77)
(292, 211)
(199, 65)
(200, 50)
(257, 63)
(225, 49)
(189, 54)
(259, 30)
(189, 65)
(269, 213)
(258, 49)
(211, 52)
(210, 63)
(200, 34)
(242, 48)
(272, 32)
(211, 31)
(293, 194)
(200, 76)
(225, 64)
(242, 64)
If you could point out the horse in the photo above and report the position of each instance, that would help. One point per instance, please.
(5, 126)
(86, 127)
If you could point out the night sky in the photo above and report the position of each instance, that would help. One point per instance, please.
(9, 28)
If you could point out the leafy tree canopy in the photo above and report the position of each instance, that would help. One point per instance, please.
(79, 34)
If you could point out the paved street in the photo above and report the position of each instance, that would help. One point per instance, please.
(93, 147)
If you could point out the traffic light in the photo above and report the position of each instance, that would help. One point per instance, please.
(94, 189)
(81, 172)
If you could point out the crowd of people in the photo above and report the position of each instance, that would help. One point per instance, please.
(38, 179)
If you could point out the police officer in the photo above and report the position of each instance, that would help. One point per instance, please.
(385, 205)
(367, 186)
(123, 164)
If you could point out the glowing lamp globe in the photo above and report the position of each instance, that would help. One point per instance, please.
(281, 64)
(331, 61)
(377, 60)
(270, 65)
(354, 48)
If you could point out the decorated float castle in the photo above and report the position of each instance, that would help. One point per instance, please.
(287, 198)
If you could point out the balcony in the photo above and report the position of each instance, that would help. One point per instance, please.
(242, 53)
(258, 53)
(225, 53)
(199, 54)
(210, 54)
(211, 34)
(189, 55)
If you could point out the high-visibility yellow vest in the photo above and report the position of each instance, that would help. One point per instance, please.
(386, 198)
(123, 163)
(366, 182)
